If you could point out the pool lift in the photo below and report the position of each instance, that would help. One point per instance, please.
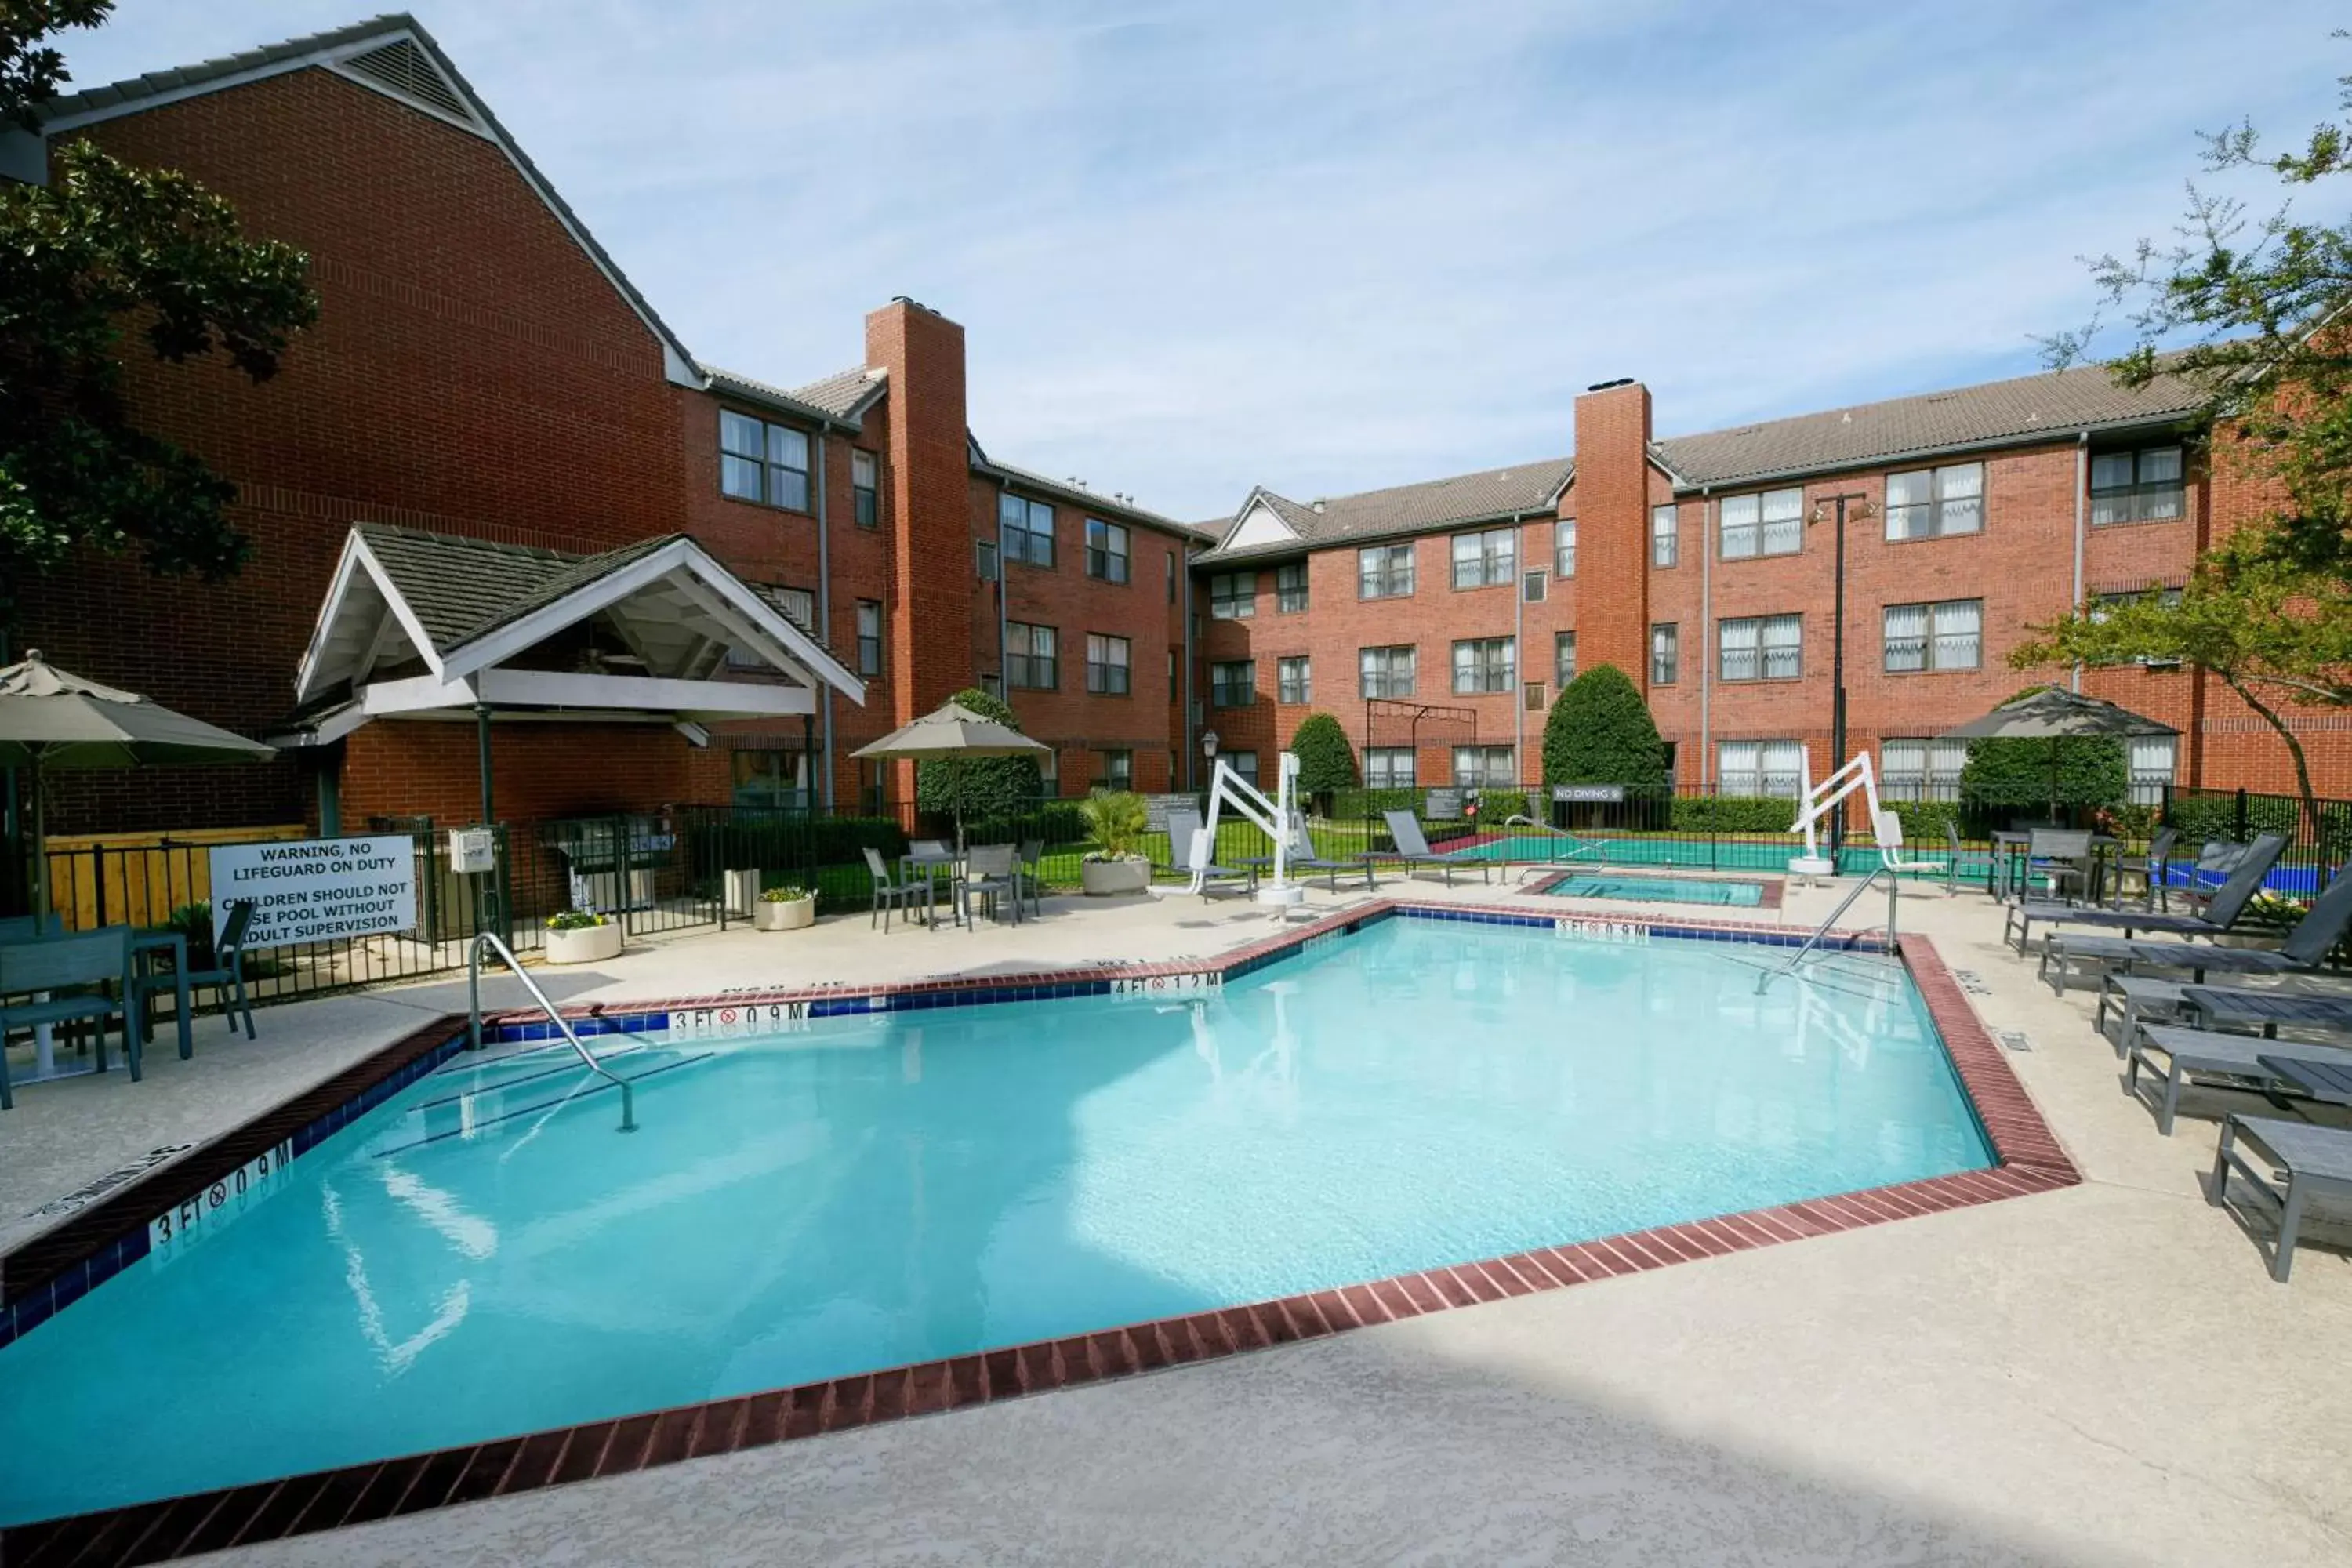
(1228, 788)
(1817, 802)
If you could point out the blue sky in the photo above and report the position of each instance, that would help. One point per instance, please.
(1329, 248)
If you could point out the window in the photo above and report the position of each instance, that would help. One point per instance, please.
(869, 637)
(864, 488)
(992, 683)
(770, 778)
(1535, 585)
(1771, 522)
(1386, 671)
(1949, 636)
(1171, 576)
(1929, 502)
(1759, 767)
(1027, 529)
(2151, 768)
(1245, 764)
(1535, 695)
(1665, 536)
(1029, 657)
(1482, 767)
(1482, 560)
(1293, 681)
(1485, 664)
(1666, 653)
(1117, 769)
(797, 605)
(1388, 767)
(1107, 673)
(1563, 547)
(1232, 685)
(763, 462)
(1105, 550)
(1921, 770)
(1762, 648)
(1171, 675)
(1049, 772)
(1233, 595)
(1290, 587)
(983, 560)
(1563, 659)
(1385, 572)
(2138, 487)
(2100, 605)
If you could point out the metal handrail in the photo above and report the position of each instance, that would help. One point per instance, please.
(473, 1014)
(1893, 891)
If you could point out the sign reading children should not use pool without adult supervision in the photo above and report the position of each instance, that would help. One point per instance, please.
(317, 889)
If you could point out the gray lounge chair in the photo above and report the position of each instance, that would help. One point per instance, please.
(2229, 902)
(1184, 826)
(1303, 858)
(2224, 1006)
(1404, 831)
(2315, 1161)
(2191, 1055)
(2067, 956)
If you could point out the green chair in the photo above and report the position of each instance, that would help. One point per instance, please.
(85, 974)
(226, 973)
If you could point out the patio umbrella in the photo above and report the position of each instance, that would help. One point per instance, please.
(2056, 714)
(50, 720)
(951, 731)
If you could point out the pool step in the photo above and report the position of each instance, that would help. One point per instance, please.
(514, 1091)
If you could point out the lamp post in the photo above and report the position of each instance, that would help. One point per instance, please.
(1209, 754)
(1821, 513)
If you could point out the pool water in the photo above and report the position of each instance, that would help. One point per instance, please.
(1658, 890)
(1695, 854)
(485, 1255)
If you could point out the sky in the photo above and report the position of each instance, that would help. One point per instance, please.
(1329, 248)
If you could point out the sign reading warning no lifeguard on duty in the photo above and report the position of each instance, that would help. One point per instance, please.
(317, 889)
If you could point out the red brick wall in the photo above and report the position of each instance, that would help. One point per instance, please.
(1612, 511)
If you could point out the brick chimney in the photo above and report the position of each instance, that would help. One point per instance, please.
(1610, 503)
(928, 476)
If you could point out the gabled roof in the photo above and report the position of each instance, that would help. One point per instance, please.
(461, 589)
(734, 383)
(1488, 495)
(848, 394)
(392, 55)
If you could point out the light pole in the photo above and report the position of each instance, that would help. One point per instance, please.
(1821, 513)
(1209, 754)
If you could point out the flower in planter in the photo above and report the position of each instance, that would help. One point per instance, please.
(577, 920)
(788, 894)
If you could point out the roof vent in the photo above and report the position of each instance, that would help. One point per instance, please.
(1318, 503)
(409, 71)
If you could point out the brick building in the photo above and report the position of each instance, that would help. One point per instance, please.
(485, 385)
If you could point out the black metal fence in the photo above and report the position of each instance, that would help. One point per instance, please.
(2318, 835)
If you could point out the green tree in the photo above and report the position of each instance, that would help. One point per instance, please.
(1326, 760)
(2087, 770)
(978, 788)
(1600, 732)
(102, 251)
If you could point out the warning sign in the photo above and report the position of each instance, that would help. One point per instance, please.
(316, 890)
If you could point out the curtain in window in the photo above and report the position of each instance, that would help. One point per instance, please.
(1902, 769)
(1739, 514)
(1780, 768)
(1739, 644)
(1908, 504)
(1961, 494)
(1784, 638)
(1783, 531)
(1906, 637)
(2151, 767)
(1959, 634)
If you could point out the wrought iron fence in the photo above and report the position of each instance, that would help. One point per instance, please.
(2319, 835)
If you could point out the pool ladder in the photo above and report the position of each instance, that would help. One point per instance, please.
(474, 1018)
(1821, 931)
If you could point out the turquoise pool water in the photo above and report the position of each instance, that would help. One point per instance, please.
(1722, 855)
(1658, 890)
(482, 1255)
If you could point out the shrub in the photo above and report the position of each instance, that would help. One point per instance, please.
(1733, 813)
(976, 787)
(1325, 762)
(1497, 806)
(1924, 821)
(2087, 770)
(1600, 732)
(1116, 820)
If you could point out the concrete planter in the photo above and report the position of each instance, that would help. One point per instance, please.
(786, 915)
(584, 944)
(1109, 879)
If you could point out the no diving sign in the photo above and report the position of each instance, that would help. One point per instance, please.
(316, 890)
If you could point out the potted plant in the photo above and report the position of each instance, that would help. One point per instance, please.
(582, 936)
(1116, 819)
(787, 908)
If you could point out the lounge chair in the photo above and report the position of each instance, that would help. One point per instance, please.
(2225, 1007)
(2192, 1055)
(2229, 902)
(892, 892)
(2067, 956)
(1404, 831)
(60, 965)
(1188, 841)
(2313, 1162)
(1304, 859)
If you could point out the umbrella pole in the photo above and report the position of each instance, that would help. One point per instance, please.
(40, 868)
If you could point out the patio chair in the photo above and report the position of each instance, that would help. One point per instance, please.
(1412, 848)
(2229, 902)
(891, 892)
(2309, 1162)
(227, 975)
(2153, 869)
(1965, 862)
(2059, 855)
(2226, 1061)
(2304, 952)
(988, 871)
(1188, 841)
(1303, 858)
(62, 966)
(1029, 866)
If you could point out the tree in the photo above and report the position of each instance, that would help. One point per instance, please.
(1600, 732)
(975, 789)
(1326, 760)
(99, 250)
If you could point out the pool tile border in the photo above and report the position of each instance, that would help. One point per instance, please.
(2028, 1155)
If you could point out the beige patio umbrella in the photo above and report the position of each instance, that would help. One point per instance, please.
(51, 719)
(949, 732)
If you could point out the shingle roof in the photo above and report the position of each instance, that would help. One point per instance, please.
(845, 393)
(766, 394)
(1091, 501)
(1411, 509)
(461, 589)
(152, 83)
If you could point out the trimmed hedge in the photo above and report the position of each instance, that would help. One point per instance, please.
(1733, 814)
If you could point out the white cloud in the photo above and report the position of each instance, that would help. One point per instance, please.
(1329, 248)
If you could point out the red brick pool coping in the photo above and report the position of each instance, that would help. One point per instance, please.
(2028, 1160)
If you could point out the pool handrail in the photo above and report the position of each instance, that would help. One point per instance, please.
(1597, 848)
(1893, 891)
(474, 1017)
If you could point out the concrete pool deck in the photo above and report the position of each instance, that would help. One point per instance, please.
(2037, 1380)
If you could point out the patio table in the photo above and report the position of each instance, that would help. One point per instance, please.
(930, 864)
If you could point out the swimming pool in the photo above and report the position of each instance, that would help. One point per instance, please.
(1583, 884)
(1694, 854)
(484, 1255)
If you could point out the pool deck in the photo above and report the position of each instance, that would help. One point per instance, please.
(2099, 1375)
